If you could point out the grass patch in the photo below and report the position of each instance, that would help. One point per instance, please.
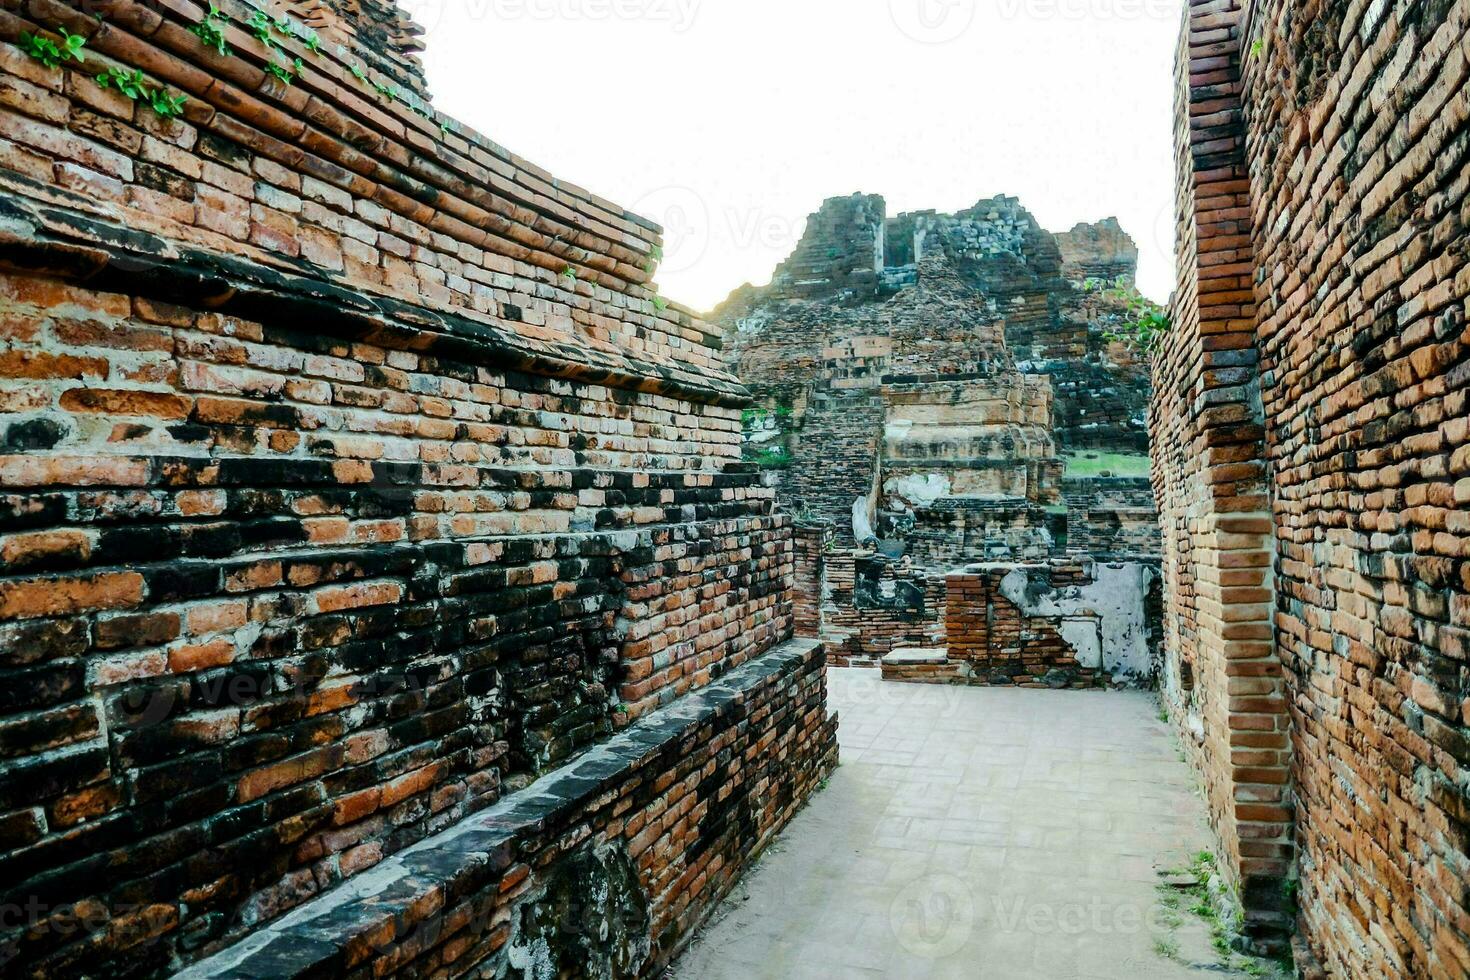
(1089, 463)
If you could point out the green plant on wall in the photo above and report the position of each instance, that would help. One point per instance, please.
(130, 83)
(1142, 324)
(50, 53)
(211, 31)
(133, 85)
(655, 256)
(287, 73)
(261, 25)
(764, 431)
(166, 105)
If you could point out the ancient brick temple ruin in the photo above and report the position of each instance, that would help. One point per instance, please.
(394, 584)
(941, 402)
(380, 576)
(1312, 463)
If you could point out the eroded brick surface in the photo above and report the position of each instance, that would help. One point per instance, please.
(352, 479)
(1310, 427)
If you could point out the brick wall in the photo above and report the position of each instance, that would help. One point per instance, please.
(810, 545)
(1000, 644)
(606, 871)
(354, 478)
(1222, 674)
(1356, 132)
(898, 606)
(1321, 203)
(1111, 515)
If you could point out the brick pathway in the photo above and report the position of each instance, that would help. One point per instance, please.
(977, 833)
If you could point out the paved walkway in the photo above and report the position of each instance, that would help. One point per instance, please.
(976, 833)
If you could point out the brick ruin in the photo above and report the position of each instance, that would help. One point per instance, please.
(379, 572)
(935, 391)
(1312, 463)
(386, 567)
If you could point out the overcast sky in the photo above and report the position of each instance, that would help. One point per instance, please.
(730, 121)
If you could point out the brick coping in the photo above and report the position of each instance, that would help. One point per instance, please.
(467, 857)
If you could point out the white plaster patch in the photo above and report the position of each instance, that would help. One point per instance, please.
(862, 522)
(1084, 637)
(1114, 601)
(918, 489)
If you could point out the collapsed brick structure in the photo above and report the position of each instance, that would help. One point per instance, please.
(379, 574)
(1312, 465)
(923, 385)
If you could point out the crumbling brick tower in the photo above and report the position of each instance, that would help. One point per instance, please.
(378, 573)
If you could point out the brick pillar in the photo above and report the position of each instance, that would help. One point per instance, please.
(1223, 676)
(806, 596)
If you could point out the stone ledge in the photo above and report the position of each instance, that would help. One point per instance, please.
(387, 906)
(917, 655)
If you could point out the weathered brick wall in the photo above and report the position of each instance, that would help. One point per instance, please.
(939, 395)
(1222, 676)
(1321, 207)
(354, 476)
(605, 871)
(1002, 645)
(810, 545)
(872, 606)
(1111, 515)
(1356, 136)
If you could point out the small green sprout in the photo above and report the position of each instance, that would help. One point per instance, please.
(569, 273)
(211, 31)
(51, 54)
(286, 73)
(130, 83)
(1258, 48)
(260, 25)
(660, 304)
(655, 256)
(359, 73)
(167, 106)
(302, 33)
(134, 86)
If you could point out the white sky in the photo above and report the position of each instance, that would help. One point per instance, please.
(730, 121)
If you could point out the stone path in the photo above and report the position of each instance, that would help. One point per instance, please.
(976, 833)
